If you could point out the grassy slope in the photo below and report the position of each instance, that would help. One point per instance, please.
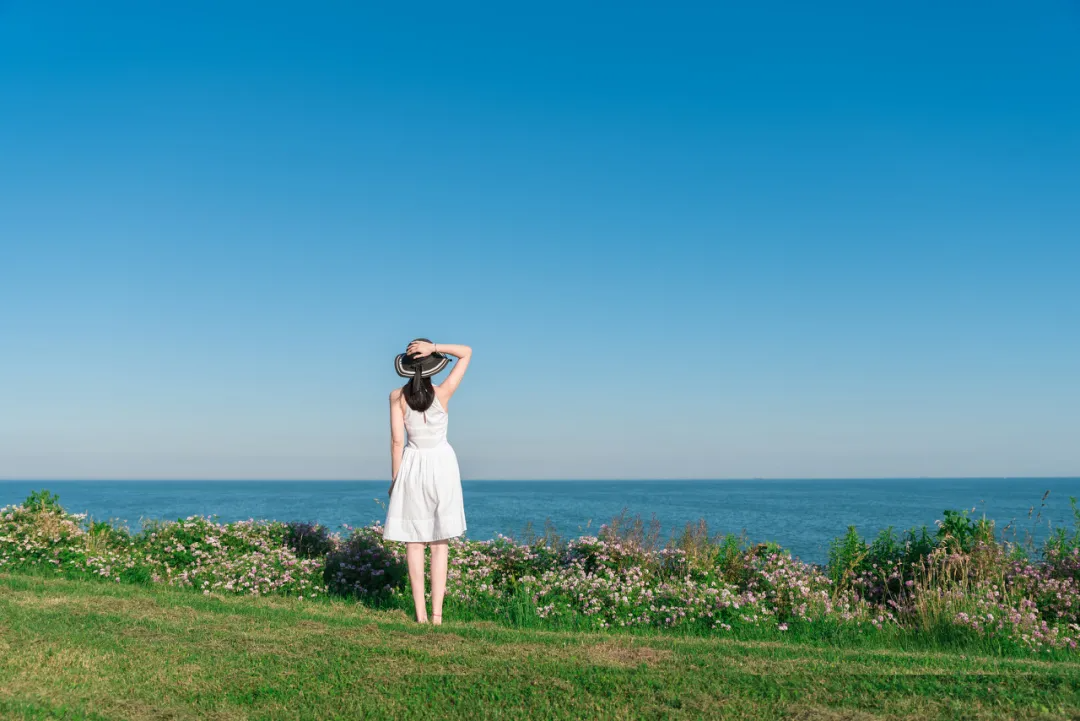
(77, 649)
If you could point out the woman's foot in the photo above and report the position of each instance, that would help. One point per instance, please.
(436, 619)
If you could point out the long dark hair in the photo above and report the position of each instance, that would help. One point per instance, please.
(419, 394)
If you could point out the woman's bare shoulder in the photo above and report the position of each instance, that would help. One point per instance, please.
(395, 394)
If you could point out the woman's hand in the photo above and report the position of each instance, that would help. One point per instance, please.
(420, 349)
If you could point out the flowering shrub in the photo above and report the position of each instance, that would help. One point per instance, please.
(364, 565)
(966, 579)
(493, 570)
(40, 534)
(957, 581)
(608, 582)
(242, 557)
(308, 540)
(1054, 587)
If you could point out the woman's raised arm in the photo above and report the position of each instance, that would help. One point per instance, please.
(462, 352)
(464, 355)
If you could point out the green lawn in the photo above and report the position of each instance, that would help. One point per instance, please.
(79, 649)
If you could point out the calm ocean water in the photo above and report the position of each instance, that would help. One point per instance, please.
(800, 515)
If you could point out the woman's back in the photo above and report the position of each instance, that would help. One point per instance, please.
(427, 429)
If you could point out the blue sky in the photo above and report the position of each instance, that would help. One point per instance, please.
(685, 240)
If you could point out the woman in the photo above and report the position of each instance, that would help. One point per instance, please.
(425, 494)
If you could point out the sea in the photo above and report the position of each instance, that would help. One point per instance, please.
(801, 515)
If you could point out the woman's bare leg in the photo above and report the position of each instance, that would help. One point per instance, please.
(440, 552)
(414, 556)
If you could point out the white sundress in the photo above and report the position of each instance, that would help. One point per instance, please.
(425, 501)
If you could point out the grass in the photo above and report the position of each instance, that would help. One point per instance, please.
(73, 649)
